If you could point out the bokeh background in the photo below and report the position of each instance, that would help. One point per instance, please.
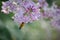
(38, 30)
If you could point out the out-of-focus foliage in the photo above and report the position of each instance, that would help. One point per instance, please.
(38, 30)
(4, 33)
(49, 2)
(57, 3)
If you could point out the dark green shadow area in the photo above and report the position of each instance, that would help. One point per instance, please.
(49, 2)
(4, 33)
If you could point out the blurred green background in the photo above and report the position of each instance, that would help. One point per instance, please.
(38, 30)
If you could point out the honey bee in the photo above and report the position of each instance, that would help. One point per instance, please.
(21, 25)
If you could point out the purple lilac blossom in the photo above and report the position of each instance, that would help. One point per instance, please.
(57, 13)
(5, 7)
(17, 1)
(25, 10)
(55, 10)
(31, 13)
(42, 3)
(50, 12)
(28, 11)
(8, 7)
(55, 22)
(47, 13)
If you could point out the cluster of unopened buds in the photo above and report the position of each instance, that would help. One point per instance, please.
(26, 11)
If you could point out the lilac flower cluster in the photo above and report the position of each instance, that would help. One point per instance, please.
(55, 22)
(24, 10)
(29, 11)
(8, 7)
(52, 13)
